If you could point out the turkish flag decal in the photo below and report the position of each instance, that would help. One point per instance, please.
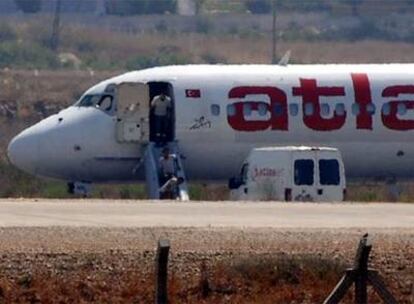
(192, 93)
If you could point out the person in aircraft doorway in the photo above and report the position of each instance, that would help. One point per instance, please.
(161, 106)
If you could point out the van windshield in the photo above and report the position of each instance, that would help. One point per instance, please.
(243, 172)
(97, 100)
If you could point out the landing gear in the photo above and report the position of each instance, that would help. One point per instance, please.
(394, 188)
(79, 188)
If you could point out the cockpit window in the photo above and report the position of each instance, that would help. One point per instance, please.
(88, 101)
(103, 102)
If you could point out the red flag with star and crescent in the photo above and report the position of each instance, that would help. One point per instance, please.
(192, 93)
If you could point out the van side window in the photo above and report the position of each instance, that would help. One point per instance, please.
(329, 172)
(304, 172)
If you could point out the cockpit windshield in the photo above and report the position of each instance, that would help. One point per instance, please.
(103, 102)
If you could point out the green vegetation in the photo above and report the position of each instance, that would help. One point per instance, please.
(18, 54)
(163, 56)
(7, 33)
(29, 6)
(139, 7)
(27, 44)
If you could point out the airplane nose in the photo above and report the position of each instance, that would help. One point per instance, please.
(22, 152)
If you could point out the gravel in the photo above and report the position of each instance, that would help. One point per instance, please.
(94, 257)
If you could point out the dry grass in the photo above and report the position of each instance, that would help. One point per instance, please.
(263, 278)
(250, 47)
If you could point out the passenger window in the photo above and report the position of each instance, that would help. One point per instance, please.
(355, 109)
(340, 109)
(262, 109)
(386, 109)
(231, 110)
(304, 172)
(293, 109)
(247, 109)
(324, 109)
(329, 172)
(215, 109)
(308, 109)
(278, 110)
(401, 109)
(371, 109)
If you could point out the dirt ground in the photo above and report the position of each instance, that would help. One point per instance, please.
(255, 265)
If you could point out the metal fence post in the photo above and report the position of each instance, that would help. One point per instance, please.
(161, 272)
(360, 275)
(361, 270)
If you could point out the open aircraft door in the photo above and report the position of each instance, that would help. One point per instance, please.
(132, 112)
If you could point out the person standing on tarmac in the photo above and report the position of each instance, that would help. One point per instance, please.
(168, 175)
(167, 165)
(161, 106)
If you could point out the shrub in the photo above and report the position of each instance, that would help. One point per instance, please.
(7, 33)
(139, 7)
(164, 56)
(259, 6)
(212, 59)
(203, 25)
(26, 55)
(29, 6)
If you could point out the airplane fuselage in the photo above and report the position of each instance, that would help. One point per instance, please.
(223, 111)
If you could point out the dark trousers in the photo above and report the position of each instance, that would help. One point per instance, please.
(161, 123)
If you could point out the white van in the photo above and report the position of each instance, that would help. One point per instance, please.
(290, 174)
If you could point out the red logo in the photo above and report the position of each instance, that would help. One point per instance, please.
(309, 91)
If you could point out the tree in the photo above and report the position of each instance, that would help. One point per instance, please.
(29, 6)
(354, 5)
(259, 6)
(139, 7)
(199, 6)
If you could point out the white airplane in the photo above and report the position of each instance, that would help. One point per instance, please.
(221, 112)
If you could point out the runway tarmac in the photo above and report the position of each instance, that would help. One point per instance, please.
(109, 213)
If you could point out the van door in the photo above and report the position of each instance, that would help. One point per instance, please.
(304, 178)
(132, 112)
(331, 178)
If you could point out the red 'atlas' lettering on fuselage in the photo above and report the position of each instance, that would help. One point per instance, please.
(275, 122)
(363, 98)
(391, 120)
(310, 93)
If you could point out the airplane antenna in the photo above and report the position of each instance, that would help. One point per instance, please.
(285, 59)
